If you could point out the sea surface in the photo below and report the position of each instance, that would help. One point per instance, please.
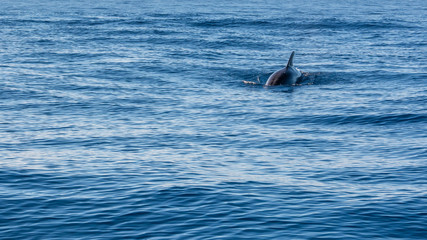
(145, 120)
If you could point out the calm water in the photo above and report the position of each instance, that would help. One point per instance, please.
(130, 120)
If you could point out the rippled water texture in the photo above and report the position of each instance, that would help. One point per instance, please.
(131, 120)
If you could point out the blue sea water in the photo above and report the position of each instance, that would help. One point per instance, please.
(130, 120)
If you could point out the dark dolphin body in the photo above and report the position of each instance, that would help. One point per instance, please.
(285, 76)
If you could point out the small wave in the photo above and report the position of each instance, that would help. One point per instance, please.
(138, 21)
(386, 119)
(336, 23)
(295, 23)
(228, 22)
(383, 175)
(61, 21)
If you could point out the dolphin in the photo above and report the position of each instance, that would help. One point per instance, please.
(288, 75)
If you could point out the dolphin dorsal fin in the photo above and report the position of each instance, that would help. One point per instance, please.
(291, 59)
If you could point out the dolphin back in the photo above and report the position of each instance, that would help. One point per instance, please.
(291, 60)
(285, 76)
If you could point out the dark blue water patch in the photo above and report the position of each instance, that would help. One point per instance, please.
(49, 57)
(178, 16)
(393, 76)
(138, 21)
(296, 23)
(60, 141)
(400, 175)
(202, 44)
(24, 179)
(164, 31)
(87, 22)
(45, 42)
(23, 96)
(232, 211)
(412, 100)
(244, 43)
(59, 21)
(286, 143)
(228, 22)
(341, 24)
(326, 78)
(120, 32)
(378, 120)
(161, 15)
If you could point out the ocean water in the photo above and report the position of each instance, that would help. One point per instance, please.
(131, 120)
